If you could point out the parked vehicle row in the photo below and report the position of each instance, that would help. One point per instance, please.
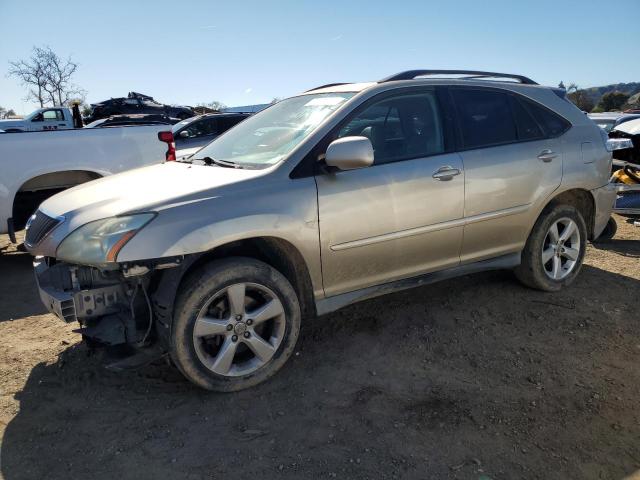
(37, 165)
(341, 193)
(133, 119)
(54, 118)
(136, 103)
(609, 120)
(75, 158)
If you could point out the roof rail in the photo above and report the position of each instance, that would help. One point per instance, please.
(327, 86)
(473, 74)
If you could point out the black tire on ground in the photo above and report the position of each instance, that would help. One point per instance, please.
(531, 271)
(193, 295)
(609, 231)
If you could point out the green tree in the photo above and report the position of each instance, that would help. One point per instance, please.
(579, 98)
(612, 101)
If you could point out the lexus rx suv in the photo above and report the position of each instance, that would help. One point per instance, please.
(339, 194)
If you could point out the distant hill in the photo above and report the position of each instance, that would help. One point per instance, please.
(595, 93)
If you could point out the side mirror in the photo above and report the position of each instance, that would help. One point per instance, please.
(349, 153)
(184, 134)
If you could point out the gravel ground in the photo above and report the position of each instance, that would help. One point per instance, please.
(473, 378)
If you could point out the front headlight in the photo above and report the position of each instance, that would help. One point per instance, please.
(99, 242)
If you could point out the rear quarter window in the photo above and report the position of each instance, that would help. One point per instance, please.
(527, 126)
(553, 124)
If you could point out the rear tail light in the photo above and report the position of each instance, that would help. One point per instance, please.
(614, 144)
(167, 137)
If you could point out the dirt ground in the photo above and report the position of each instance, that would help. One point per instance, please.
(473, 378)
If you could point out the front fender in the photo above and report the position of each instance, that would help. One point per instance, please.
(285, 212)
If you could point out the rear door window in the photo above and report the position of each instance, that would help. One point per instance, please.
(202, 128)
(225, 123)
(484, 117)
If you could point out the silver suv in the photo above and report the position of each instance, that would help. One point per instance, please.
(336, 195)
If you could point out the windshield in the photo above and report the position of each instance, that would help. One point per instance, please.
(269, 136)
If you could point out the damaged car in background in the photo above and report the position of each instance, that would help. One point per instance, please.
(342, 193)
(136, 103)
(626, 169)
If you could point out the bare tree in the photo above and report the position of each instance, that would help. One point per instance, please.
(58, 74)
(48, 77)
(215, 105)
(32, 73)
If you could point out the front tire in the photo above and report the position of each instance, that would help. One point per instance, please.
(236, 323)
(553, 254)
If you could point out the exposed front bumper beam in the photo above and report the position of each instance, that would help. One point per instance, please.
(69, 302)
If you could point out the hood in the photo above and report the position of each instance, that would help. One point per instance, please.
(632, 127)
(152, 188)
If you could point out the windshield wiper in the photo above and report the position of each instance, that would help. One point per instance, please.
(222, 163)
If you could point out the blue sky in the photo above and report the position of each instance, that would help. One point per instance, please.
(244, 52)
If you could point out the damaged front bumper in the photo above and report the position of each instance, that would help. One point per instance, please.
(69, 302)
(110, 308)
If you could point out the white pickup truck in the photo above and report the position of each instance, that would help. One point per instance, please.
(37, 165)
(52, 118)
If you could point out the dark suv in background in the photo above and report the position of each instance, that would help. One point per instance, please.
(194, 133)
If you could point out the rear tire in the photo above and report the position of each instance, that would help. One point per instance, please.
(553, 254)
(236, 323)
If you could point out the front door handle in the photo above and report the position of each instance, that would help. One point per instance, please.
(547, 155)
(445, 173)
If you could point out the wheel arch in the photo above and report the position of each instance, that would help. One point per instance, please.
(276, 252)
(582, 200)
(60, 179)
(36, 189)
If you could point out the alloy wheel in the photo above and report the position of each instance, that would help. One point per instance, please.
(561, 248)
(239, 329)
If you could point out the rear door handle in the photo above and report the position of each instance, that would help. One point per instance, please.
(445, 173)
(547, 155)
